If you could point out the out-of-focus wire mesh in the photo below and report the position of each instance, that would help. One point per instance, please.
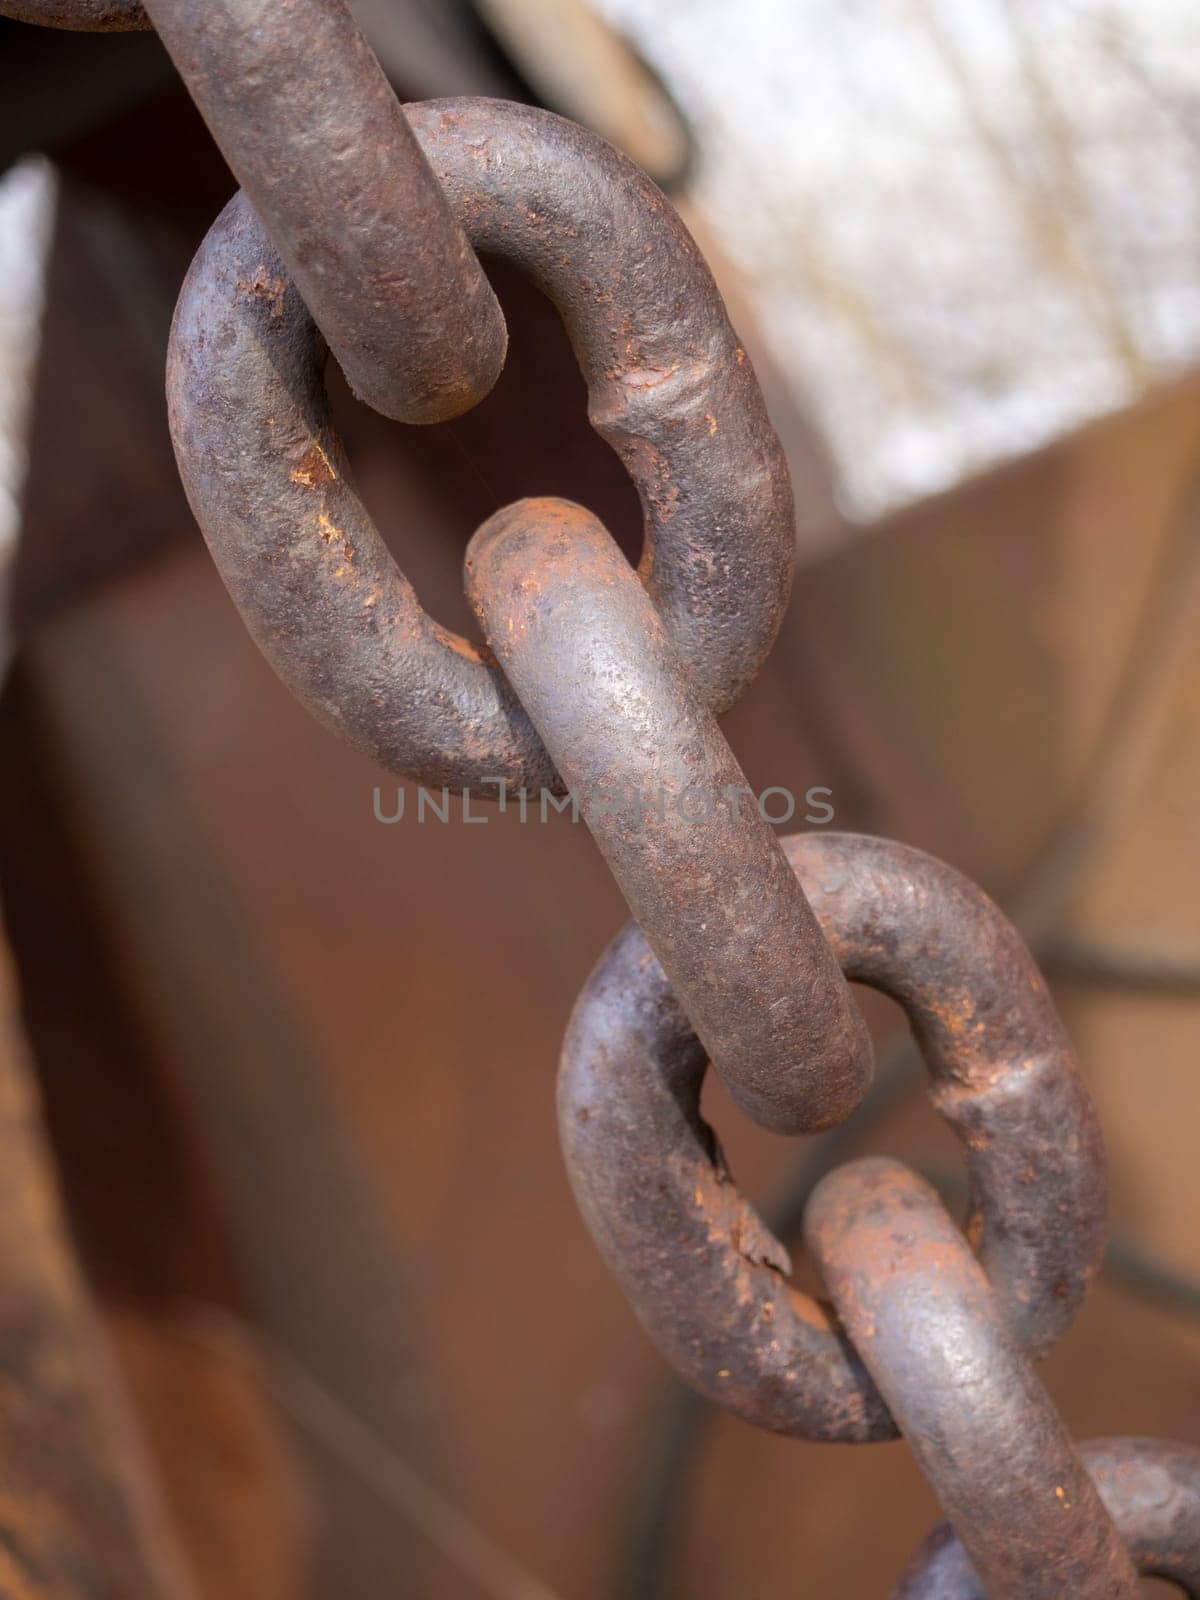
(969, 224)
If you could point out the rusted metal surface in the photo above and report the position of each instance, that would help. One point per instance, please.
(76, 1518)
(314, 133)
(83, 16)
(304, 115)
(918, 1309)
(1150, 1488)
(669, 388)
(670, 808)
(704, 1276)
(295, 98)
(611, 687)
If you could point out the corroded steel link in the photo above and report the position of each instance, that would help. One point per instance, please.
(304, 115)
(581, 643)
(669, 388)
(271, 489)
(920, 1313)
(1150, 1488)
(703, 1274)
(81, 16)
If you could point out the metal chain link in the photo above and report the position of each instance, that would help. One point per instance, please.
(81, 16)
(357, 228)
(704, 1276)
(937, 1341)
(300, 107)
(665, 799)
(669, 387)
(313, 132)
(1151, 1490)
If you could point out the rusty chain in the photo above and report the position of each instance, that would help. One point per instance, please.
(355, 231)
(935, 1338)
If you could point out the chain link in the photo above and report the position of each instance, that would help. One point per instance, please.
(668, 387)
(667, 803)
(313, 132)
(701, 1271)
(1150, 1488)
(81, 16)
(924, 1320)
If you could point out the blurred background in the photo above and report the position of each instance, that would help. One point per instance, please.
(296, 1066)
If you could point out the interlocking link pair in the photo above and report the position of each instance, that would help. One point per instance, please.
(702, 1273)
(936, 1339)
(921, 1337)
(342, 234)
(1151, 1490)
(632, 673)
(1036, 1519)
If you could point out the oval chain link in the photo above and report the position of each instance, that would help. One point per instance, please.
(81, 16)
(704, 1276)
(669, 387)
(1151, 1490)
(923, 1318)
(672, 812)
(312, 130)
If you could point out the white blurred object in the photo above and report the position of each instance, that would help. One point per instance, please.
(581, 66)
(968, 225)
(27, 195)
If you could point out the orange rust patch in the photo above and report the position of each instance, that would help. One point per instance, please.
(461, 646)
(331, 533)
(314, 469)
(810, 1311)
(263, 286)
